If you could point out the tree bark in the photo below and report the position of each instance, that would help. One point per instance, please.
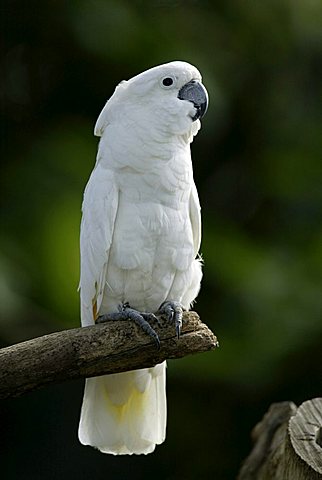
(111, 347)
(288, 444)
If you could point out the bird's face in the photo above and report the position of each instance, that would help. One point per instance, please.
(169, 98)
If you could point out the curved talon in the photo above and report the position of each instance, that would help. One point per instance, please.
(173, 312)
(142, 319)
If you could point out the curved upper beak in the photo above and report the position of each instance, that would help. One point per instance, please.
(197, 94)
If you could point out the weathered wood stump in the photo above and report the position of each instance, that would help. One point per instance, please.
(288, 444)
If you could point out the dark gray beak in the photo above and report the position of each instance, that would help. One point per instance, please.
(195, 93)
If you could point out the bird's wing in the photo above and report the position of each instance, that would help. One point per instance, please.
(99, 212)
(195, 218)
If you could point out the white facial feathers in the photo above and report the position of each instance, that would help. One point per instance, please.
(150, 99)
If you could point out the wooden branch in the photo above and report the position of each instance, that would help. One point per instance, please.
(106, 348)
(288, 444)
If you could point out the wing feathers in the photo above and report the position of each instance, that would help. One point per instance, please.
(100, 202)
(195, 218)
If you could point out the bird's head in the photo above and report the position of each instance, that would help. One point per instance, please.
(169, 98)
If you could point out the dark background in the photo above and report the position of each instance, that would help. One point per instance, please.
(257, 164)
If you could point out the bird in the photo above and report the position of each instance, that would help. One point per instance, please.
(139, 242)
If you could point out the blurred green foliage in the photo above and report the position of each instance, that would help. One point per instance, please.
(258, 168)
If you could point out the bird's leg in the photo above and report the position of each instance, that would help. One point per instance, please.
(142, 319)
(173, 312)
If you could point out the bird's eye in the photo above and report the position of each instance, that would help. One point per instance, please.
(168, 81)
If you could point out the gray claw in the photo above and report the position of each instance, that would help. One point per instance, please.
(173, 311)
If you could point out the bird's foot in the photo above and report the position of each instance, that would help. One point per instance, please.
(142, 319)
(173, 312)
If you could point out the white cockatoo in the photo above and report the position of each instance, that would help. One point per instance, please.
(140, 236)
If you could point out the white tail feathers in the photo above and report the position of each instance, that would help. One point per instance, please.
(125, 413)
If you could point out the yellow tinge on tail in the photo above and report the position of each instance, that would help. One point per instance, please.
(125, 413)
